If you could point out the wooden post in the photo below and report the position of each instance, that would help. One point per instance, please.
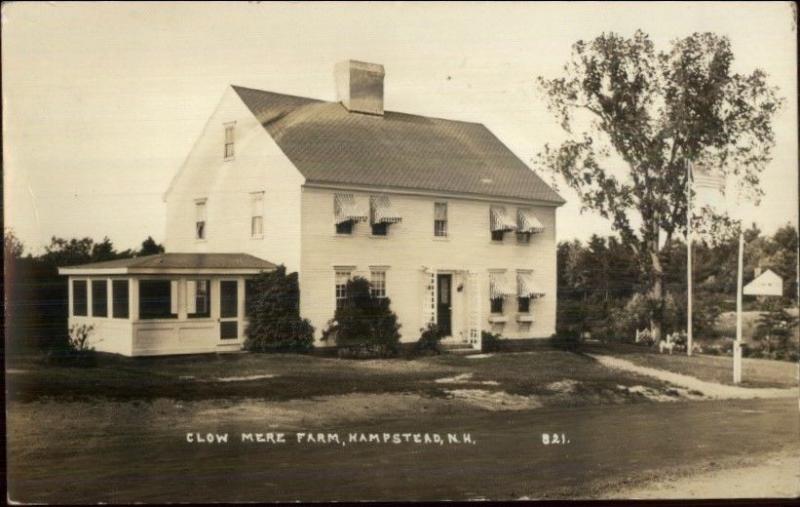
(688, 259)
(737, 346)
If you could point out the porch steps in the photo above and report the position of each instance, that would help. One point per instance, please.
(462, 349)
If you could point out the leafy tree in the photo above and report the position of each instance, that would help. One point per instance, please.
(635, 117)
(274, 323)
(150, 247)
(364, 321)
(774, 329)
(12, 246)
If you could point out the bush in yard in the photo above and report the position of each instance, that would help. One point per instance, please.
(429, 340)
(77, 351)
(774, 331)
(491, 342)
(569, 342)
(274, 315)
(364, 325)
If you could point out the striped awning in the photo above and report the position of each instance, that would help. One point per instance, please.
(499, 286)
(346, 209)
(528, 223)
(382, 211)
(526, 287)
(500, 221)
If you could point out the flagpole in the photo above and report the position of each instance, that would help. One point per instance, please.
(688, 258)
(737, 346)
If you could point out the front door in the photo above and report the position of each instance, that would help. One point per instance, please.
(444, 305)
(228, 310)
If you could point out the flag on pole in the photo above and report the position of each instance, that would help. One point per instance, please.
(709, 185)
(705, 177)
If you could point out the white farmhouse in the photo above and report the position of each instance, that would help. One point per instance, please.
(438, 214)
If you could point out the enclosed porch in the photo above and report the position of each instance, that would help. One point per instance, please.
(164, 304)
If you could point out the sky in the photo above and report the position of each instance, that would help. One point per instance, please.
(102, 102)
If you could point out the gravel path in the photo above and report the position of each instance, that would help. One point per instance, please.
(775, 477)
(709, 389)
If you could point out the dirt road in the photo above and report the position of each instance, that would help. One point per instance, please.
(84, 452)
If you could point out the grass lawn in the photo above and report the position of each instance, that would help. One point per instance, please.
(755, 372)
(286, 376)
(117, 432)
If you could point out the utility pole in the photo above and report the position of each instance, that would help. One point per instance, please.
(737, 345)
(688, 258)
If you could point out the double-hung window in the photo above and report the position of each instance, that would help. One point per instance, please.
(200, 219)
(440, 219)
(499, 288)
(378, 283)
(230, 130)
(198, 298)
(257, 214)
(342, 278)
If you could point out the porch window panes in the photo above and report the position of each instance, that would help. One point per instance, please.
(229, 138)
(79, 298)
(99, 298)
(378, 284)
(257, 214)
(249, 296)
(198, 298)
(158, 299)
(119, 299)
(341, 287)
(440, 219)
(200, 219)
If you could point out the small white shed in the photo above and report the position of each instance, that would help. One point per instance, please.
(173, 303)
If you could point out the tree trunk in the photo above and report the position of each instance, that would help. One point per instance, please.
(656, 293)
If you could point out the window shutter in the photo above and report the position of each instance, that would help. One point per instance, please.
(173, 297)
(191, 296)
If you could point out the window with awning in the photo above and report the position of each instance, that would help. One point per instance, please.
(347, 212)
(527, 223)
(526, 286)
(499, 288)
(382, 214)
(500, 222)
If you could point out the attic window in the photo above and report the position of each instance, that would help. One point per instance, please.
(200, 219)
(229, 138)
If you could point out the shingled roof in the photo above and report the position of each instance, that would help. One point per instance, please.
(330, 145)
(176, 262)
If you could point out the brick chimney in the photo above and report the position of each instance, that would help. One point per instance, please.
(359, 86)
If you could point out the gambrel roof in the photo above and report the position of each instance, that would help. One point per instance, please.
(330, 145)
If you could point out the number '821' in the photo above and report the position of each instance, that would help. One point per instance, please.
(554, 439)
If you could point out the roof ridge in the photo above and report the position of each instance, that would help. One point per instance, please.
(416, 115)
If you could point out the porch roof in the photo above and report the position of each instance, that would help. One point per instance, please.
(175, 263)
